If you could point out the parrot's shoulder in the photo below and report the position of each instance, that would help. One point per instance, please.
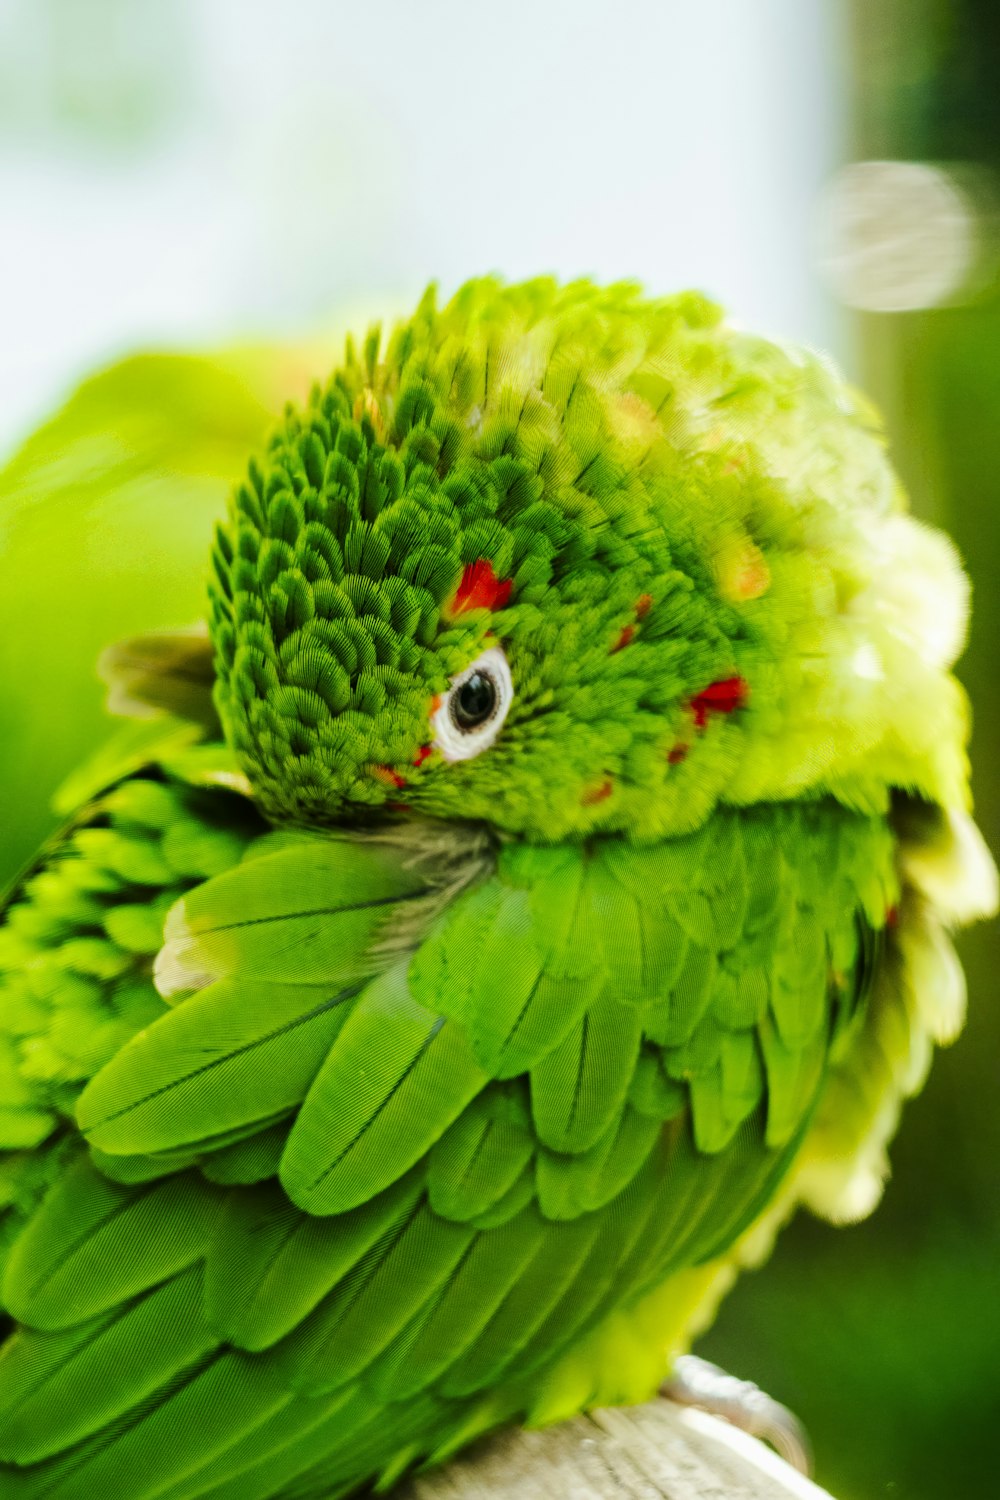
(88, 946)
(151, 825)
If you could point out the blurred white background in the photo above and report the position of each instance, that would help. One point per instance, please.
(178, 172)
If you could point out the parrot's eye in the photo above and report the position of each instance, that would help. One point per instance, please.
(473, 703)
(470, 714)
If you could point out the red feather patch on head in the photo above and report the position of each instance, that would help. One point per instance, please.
(642, 606)
(387, 775)
(722, 697)
(597, 793)
(422, 754)
(479, 588)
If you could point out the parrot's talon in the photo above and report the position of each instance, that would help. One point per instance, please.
(696, 1382)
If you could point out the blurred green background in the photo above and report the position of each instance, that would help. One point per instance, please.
(201, 175)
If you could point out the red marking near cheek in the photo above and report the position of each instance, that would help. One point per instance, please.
(642, 606)
(722, 697)
(388, 775)
(676, 754)
(479, 588)
(598, 794)
(422, 754)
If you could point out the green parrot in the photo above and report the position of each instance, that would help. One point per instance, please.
(533, 885)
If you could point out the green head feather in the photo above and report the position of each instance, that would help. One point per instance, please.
(683, 544)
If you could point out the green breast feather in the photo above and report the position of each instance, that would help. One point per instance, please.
(564, 907)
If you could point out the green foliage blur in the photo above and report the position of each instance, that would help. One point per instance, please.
(105, 515)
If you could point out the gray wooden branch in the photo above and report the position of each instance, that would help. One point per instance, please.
(655, 1452)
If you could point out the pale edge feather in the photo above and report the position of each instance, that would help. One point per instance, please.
(177, 967)
(447, 863)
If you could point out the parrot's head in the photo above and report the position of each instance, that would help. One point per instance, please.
(568, 560)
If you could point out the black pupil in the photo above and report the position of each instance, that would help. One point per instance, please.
(474, 701)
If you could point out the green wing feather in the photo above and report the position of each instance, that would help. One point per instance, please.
(269, 1264)
(93, 1244)
(61, 1386)
(235, 1056)
(417, 1116)
(397, 1076)
(481, 1158)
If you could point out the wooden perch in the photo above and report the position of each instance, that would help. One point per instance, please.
(657, 1452)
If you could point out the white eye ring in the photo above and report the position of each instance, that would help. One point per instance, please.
(456, 742)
